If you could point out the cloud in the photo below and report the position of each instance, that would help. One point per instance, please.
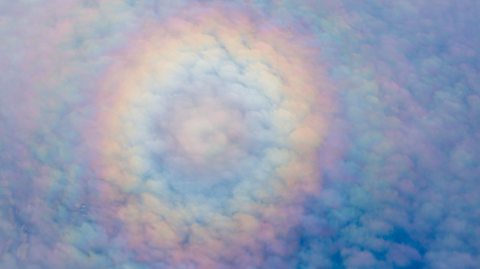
(261, 134)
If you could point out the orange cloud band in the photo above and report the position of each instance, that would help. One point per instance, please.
(208, 135)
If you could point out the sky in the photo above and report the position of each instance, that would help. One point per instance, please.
(239, 134)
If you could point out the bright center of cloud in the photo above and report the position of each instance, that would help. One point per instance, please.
(206, 135)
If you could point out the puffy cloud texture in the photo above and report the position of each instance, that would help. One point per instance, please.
(239, 134)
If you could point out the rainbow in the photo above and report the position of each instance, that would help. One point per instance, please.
(207, 136)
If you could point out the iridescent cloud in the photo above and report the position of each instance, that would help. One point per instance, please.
(239, 134)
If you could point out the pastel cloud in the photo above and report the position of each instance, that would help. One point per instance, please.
(260, 134)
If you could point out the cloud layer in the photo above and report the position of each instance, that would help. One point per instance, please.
(258, 134)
